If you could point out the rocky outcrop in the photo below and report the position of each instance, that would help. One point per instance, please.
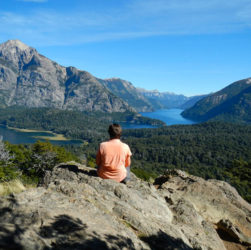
(74, 209)
(32, 80)
(216, 201)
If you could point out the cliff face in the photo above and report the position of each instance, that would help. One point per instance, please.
(32, 80)
(75, 209)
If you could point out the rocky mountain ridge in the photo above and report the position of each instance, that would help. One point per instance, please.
(32, 80)
(160, 100)
(29, 79)
(75, 209)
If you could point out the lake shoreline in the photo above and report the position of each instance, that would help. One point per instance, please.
(169, 116)
(20, 135)
(54, 137)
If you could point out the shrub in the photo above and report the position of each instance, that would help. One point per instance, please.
(144, 175)
(32, 161)
(7, 169)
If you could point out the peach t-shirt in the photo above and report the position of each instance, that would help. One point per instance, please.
(112, 158)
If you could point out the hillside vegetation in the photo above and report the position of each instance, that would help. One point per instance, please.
(29, 162)
(231, 104)
(73, 124)
(210, 150)
(127, 92)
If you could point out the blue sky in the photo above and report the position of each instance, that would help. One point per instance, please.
(183, 46)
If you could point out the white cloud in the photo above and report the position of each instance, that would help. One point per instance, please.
(8, 19)
(245, 14)
(157, 6)
(138, 18)
(193, 16)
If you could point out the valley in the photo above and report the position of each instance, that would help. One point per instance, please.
(39, 94)
(175, 75)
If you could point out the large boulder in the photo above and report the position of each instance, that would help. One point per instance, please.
(74, 209)
(216, 201)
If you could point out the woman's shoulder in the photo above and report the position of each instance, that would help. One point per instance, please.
(125, 145)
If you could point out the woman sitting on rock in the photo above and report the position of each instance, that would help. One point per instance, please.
(114, 157)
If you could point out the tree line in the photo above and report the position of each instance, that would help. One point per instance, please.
(210, 150)
(71, 123)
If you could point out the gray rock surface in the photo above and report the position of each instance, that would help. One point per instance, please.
(74, 209)
(30, 79)
(228, 228)
(216, 201)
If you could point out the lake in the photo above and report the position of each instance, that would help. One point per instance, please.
(169, 116)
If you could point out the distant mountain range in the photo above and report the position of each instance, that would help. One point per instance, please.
(164, 99)
(233, 103)
(29, 79)
(168, 100)
(191, 101)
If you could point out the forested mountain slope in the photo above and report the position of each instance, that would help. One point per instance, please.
(232, 103)
(210, 150)
(72, 123)
(126, 91)
(72, 208)
(191, 102)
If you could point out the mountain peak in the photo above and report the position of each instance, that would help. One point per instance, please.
(112, 79)
(248, 81)
(32, 80)
(15, 44)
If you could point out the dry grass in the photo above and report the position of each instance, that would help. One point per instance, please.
(27, 130)
(14, 186)
(53, 137)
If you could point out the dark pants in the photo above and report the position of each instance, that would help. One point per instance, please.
(128, 175)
